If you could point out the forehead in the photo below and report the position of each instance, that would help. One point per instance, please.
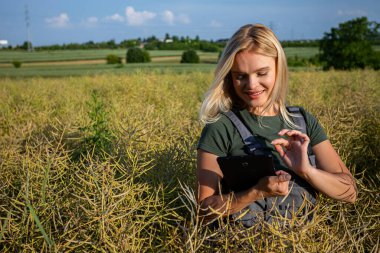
(247, 61)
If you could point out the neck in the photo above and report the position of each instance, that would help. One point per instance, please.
(259, 111)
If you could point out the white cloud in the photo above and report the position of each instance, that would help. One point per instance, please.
(91, 21)
(137, 18)
(352, 13)
(183, 18)
(169, 18)
(116, 17)
(60, 21)
(215, 24)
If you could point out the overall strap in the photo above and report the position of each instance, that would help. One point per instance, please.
(299, 120)
(251, 145)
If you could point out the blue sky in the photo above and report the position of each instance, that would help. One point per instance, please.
(67, 21)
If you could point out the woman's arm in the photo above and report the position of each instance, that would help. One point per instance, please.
(214, 204)
(331, 177)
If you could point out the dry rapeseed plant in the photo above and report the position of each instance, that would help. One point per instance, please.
(136, 194)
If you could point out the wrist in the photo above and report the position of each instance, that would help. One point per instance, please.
(308, 172)
(256, 194)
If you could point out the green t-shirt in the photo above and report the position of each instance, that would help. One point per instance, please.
(222, 138)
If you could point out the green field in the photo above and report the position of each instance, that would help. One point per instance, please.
(90, 62)
(80, 55)
(94, 69)
(106, 163)
(7, 56)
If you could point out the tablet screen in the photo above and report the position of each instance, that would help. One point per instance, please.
(243, 172)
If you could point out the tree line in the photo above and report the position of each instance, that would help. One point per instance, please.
(154, 43)
(348, 46)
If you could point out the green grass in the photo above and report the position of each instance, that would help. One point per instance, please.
(100, 54)
(57, 55)
(77, 55)
(302, 52)
(94, 69)
(161, 61)
(93, 54)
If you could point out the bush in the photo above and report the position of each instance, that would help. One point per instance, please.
(190, 56)
(296, 61)
(136, 55)
(113, 59)
(16, 64)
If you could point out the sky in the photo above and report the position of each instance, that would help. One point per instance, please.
(78, 21)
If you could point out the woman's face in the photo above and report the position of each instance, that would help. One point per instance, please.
(253, 77)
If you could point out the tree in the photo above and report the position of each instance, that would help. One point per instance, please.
(190, 56)
(136, 55)
(26, 45)
(349, 46)
(111, 44)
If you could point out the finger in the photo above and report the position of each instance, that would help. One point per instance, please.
(281, 172)
(283, 131)
(280, 150)
(280, 144)
(281, 177)
(284, 177)
(296, 133)
(280, 141)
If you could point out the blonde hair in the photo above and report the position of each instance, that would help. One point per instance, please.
(221, 96)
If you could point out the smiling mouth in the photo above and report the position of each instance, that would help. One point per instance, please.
(254, 94)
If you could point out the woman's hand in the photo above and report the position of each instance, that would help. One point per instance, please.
(294, 150)
(274, 185)
(210, 199)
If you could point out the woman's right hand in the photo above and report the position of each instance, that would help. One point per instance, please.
(210, 199)
(272, 186)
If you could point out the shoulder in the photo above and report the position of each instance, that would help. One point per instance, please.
(217, 137)
(222, 125)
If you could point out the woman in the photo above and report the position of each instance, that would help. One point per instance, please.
(251, 79)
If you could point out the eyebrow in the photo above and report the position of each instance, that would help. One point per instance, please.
(258, 70)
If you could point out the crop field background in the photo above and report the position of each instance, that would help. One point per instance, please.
(88, 62)
(100, 54)
(105, 162)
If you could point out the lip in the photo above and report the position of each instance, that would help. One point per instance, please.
(254, 94)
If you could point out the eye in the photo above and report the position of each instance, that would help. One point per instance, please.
(240, 77)
(262, 73)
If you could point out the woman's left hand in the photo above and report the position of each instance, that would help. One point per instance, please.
(293, 150)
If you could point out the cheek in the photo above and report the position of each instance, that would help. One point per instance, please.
(270, 81)
(236, 85)
(239, 90)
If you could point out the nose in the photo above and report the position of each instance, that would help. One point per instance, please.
(252, 81)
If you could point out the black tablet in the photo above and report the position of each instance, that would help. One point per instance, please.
(242, 172)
